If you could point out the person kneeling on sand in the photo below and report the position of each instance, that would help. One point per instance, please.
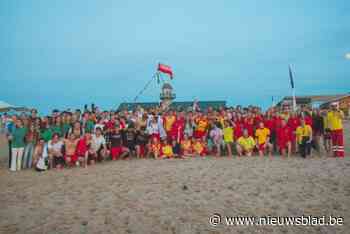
(155, 148)
(199, 147)
(55, 152)
(166, 150)
(245, 144)
(262, 135)
(83, 149)
(70, 145)
(186, 146)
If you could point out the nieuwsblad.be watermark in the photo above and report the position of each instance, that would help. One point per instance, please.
(217, 219)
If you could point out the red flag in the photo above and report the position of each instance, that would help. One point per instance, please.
(165, 69)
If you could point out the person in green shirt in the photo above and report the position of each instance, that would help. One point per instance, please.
(57, 127)
(46, 133)
(17, 137)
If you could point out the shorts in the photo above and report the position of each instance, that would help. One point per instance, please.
(142, 150)
(282, 144)
(116, 152)
(155, 135)
(73, 158)
(130, 146)
(58, 161)
(92, 157)
(262, 147)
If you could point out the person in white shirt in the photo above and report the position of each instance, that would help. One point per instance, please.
(98, 145)
(55, 152)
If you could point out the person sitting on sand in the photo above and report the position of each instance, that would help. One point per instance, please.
(83, 149)
(245, 144)
(116, 144)
(55, 152)
(186, 147)
(70, 145)
(166, 149)
(98, 145)
(284, 139)
(199, 147)
(262, 135)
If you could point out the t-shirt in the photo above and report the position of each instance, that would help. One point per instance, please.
(202, 125)
(301, 132)
(97, 142)
(167, 150)
(89, 126)
(46, 134)
(18, 135)
(228, 134)
(116, 139)
(334, 120)
(168, 122)
(247, 143)
(56, 147)
(57, 129)
(262, 134)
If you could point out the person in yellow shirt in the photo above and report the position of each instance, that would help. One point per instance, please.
(304, 138)
(262, 135)
(245, 144)
(335, 124)
(186, 146)
(199, 147)
(228, 136)
(166, 150)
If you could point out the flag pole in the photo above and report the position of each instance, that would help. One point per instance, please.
(293, 87)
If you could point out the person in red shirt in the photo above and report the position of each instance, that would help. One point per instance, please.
(284, 139)
(238, 126)
(82, 149)
(248, 123)
(168, 121)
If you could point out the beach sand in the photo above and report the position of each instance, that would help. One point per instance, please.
(175, 196)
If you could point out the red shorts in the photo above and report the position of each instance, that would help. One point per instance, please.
(282, 144)
(116, 152)
(262, 147)
(142, 150)
(73, 158)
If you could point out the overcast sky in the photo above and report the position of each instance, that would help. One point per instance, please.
(66, 53)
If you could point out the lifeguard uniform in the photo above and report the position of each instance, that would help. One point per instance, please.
(169, 120)
(293, 123)
(155, 148)
(228, 134)
(262, 134)
(238, 130)
(199, 148)
(284, 135)
(167, 151)
(186, 146)
(303, 134)
(247, 143)
(335, 124)
(202, 125)
(249, 125)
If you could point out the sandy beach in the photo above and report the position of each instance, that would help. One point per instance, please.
(175, 196)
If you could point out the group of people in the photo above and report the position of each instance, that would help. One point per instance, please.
(82, 138)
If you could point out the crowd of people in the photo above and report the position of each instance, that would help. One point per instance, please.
(82, 138)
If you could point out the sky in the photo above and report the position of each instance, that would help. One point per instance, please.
(60, 54)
